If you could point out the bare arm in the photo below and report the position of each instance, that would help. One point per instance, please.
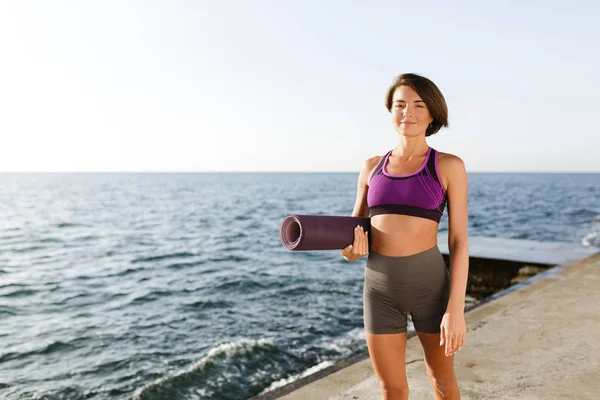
(360, 247)
(458, 242)
(361, 208)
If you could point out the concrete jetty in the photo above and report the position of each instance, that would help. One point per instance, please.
(539, 339)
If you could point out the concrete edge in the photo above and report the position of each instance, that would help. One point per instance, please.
(358, 368)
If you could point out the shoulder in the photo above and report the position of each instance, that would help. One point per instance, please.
(451, 167)
(449, 160)
(368, 167)
(371, 162)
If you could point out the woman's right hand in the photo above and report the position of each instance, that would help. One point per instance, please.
(359, 248)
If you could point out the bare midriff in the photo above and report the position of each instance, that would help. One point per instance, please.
(402, 235)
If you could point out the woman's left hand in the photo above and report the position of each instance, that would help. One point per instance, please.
(453, 331)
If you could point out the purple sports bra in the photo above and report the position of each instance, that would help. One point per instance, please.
(420, 194)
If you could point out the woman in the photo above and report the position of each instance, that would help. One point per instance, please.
(405, 193)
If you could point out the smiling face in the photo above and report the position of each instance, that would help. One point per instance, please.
(410, 115)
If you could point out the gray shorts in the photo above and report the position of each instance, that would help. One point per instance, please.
(395, 287)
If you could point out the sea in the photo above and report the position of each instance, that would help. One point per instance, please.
(176, 285)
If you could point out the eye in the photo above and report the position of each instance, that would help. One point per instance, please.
(420, 106)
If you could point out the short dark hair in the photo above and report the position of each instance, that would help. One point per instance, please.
(431, 95)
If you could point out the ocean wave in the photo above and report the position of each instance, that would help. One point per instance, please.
(208, 304)
(54, 347)
(71, 225)
(163, 257)
(62, 393)
(28, 249)
(591, 239)
(13, 285)
(300, 290)
(85, 238)
(50, 240)
(240, 285)
(183, 265)
(232, 257)
(76, 301)
(583, 212)
(345, 345)
(6, 237)
(206, 376)
(293, 378)
(20, 293)
(6, 311)
(151, 296)
(126, 272)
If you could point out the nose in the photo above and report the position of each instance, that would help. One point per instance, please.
(405, 111)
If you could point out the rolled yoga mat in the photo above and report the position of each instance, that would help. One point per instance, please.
(320, 232)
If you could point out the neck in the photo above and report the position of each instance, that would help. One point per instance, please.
(407, 147)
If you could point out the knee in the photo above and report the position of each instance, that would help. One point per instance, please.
(394, 392)
(443, 382)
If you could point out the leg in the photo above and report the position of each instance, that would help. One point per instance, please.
(428, 311)
(440, 369)
(388, 356)
(385, 329)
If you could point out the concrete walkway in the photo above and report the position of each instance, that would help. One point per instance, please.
(541, 341)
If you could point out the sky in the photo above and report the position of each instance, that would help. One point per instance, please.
(148, 86)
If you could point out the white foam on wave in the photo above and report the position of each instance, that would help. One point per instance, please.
(229, 349)
(341, 345)
(241, 346)
(345, 344)
(590, 239)
(310, 371)
(593, 237)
